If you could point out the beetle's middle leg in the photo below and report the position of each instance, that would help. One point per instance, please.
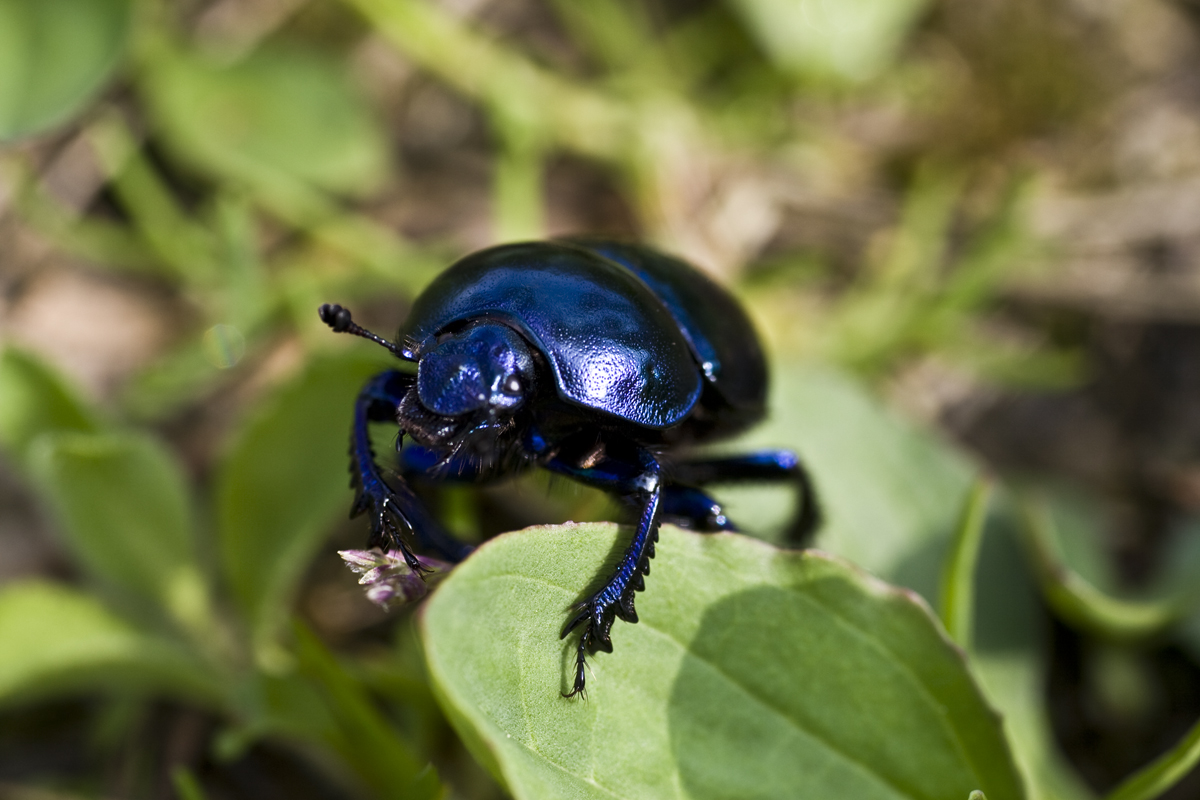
(761, 467)
(637, 481)
(395, 510)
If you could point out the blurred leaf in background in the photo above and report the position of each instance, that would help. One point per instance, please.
(848, 41)
(55, 55)
(34, 401)
(282, 485)
(122, 502)
(284, 120)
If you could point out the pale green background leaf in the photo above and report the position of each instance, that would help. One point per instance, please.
(34, 400)
(57, 639)
(890, 492)
(844, 39)
(54, 55)
(281, 117)
(284, 483)
(122, 505)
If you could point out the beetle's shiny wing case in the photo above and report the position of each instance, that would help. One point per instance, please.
(611, 342)
(717, 329)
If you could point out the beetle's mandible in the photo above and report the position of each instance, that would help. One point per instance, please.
(602, 361)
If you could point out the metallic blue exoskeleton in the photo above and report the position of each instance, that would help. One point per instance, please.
(594, 359)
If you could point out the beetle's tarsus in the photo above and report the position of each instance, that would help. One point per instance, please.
(387, 530)
(580, 664)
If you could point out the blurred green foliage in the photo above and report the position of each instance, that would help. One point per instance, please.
(54, 57)
(240, 173)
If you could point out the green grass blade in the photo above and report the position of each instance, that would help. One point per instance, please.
(360, 733)
(958, 576)
(1164, 772)
(186, 785)
(1078, 601)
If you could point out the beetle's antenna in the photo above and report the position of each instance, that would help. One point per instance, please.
(339, 319)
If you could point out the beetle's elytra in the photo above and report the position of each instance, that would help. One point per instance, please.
(594, 359)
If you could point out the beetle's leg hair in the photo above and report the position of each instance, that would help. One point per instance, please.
(763, 466)
(421, 464)
(641, 483)
(396, 513)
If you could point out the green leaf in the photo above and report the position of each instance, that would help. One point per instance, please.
(34, 400)
(849, 40)
(890, 492)
(284, 119)
(283, 485)
(54, 56)
(57, 640)
(122, 504)
(753, 672)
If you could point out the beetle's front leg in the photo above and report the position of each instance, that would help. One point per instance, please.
(637, 482)
(394, 510)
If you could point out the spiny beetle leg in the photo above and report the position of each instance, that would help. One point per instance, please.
(396, 513)
(616, 597)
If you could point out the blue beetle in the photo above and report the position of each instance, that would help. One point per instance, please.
(598, 360)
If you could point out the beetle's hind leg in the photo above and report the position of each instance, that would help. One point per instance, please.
(395, 512)
(693, 508)
(762, 467)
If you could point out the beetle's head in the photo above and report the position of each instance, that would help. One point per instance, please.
(482, 371)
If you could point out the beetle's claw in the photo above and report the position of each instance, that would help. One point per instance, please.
(597, 617)
(587, 644)
(580, 665)
(388, 526)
